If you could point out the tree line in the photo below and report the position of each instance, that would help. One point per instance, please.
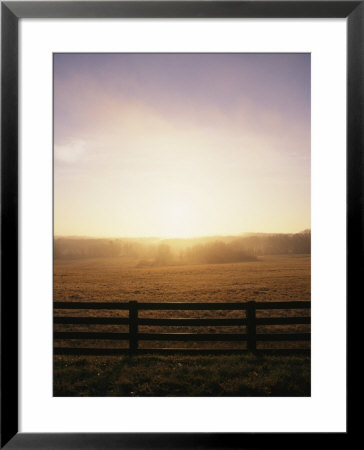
(212, 250)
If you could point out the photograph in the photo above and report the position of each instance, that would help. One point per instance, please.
(181, 224)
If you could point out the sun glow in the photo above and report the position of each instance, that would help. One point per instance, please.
(178, 221)
(181, 145)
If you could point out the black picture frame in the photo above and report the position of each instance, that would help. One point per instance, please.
(11, 12)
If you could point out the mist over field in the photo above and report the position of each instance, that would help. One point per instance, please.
(203, 250)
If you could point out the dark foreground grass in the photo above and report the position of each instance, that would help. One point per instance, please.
(196, 376)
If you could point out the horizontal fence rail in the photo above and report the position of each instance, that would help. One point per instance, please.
(250, 321)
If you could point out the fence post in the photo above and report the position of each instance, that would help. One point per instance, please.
(251, 326)
(133, 327)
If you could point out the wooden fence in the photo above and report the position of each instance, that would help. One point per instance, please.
(251, 337)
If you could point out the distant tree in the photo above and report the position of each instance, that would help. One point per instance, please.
(164, 255)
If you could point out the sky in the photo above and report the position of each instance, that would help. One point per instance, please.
(181, 145)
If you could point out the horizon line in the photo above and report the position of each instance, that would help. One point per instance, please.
(176, 237)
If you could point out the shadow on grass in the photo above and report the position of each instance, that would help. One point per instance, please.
(182, 376)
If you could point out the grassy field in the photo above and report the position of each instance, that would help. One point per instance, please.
(244, 375)
(270, 278)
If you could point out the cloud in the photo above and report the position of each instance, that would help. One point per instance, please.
(70, 153)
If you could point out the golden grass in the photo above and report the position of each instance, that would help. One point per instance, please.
(270, 278)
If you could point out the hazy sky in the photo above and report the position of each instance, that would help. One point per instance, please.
(181, 144)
